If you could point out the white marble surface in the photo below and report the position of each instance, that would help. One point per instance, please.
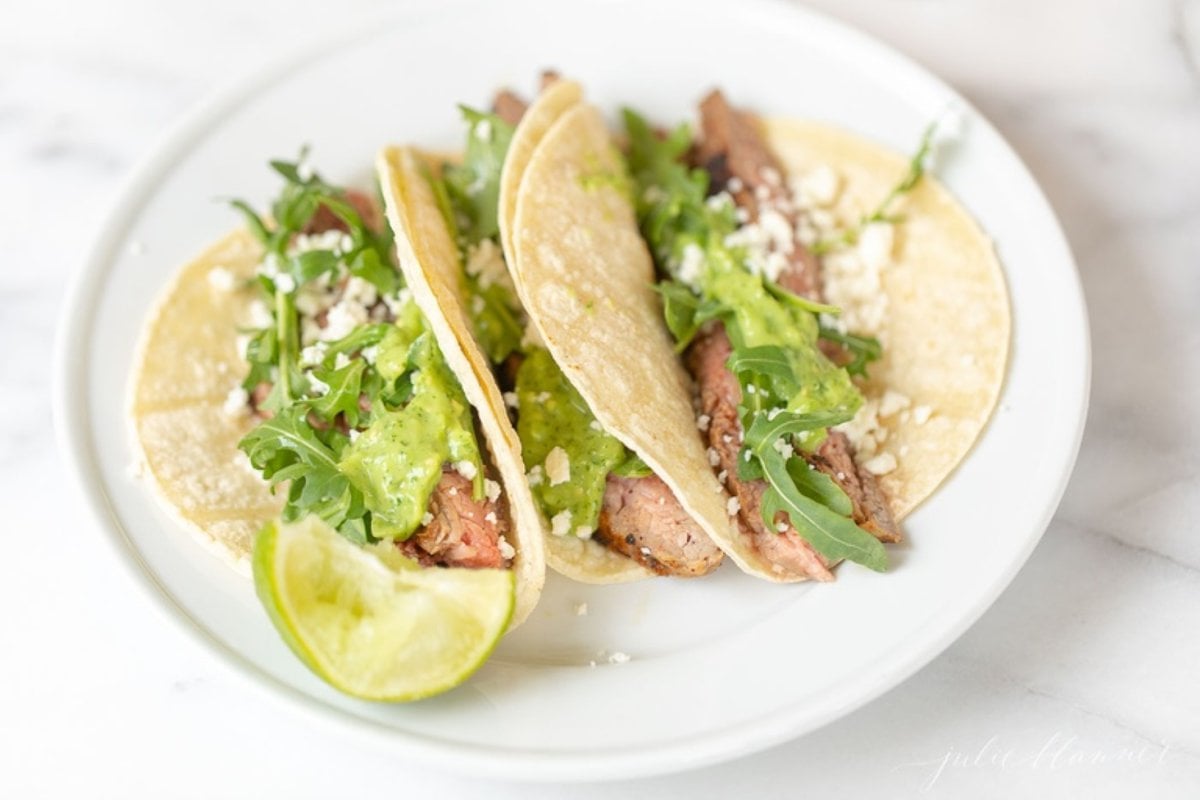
(1081, 681)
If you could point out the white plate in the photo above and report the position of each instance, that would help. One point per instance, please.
(719, 667)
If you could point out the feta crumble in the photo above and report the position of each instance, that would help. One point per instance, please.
(560, 523)
(426, 519)
(558, 466)
(733, 506)
(507, 551)
(467, 469)
(237, 402)
(881, 464)
(221, 279)
(492, 489)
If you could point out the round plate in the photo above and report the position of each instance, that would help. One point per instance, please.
(718, 667)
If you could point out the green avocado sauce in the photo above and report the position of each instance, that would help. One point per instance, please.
(397, 460)
(553, 414)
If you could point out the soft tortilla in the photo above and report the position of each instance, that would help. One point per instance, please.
(188, 363)
(585, 277)
(948, 327)
(433, 270)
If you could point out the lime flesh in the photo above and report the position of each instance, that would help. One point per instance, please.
(372, 623)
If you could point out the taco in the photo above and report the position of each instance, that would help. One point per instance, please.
(844, 321)
(290, 356)
(611, 507)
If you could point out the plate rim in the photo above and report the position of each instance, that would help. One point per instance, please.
(72, 426)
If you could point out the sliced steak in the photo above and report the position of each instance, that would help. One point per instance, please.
(464, 532)
(508, 106)
(642, 519)
(719, 398)
(733, 148)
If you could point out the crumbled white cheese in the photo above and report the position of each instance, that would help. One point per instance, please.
(862, 430)
(881, 464)
(330, 240)
(285, 283)
(733, 506)
(536, 476)
(691, 266)
(735, 184)
(467, 469)
(560, 523)
(510, 399)
(541, 397)
(770, 175)
(353, 434)
(370, 353)
(242, 343)
(784, 448)
(491, 489)
(781, 527)
(485, 263)
(342, 320)
(237, 402)
(506, 550)
(360, 291)
(644, 551)
(722, 475)
(857, 290)
(558, 466)
(425, 520)
(340, 360)
(581, 609)
(221, 279)
(703, 421)
(318, 386)
(313, 355)
(583, 531)
(818, 187)
(892, 402)
(260, 315)
(596, 426)
(875, 243)
(714, 457)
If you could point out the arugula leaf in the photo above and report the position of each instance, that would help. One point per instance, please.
(474, 185)
(287, 448)
(632, 467)
(684, 312)
(830, 533)
(345, 389)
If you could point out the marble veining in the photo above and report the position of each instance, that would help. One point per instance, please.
(1080, 681)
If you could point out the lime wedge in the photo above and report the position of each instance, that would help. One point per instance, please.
(372, 623)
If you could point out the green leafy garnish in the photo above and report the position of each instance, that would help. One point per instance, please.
(352, 418)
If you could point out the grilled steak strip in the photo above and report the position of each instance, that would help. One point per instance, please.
(642, 519)
(509, 106)
(735, 154)
(463, 532)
